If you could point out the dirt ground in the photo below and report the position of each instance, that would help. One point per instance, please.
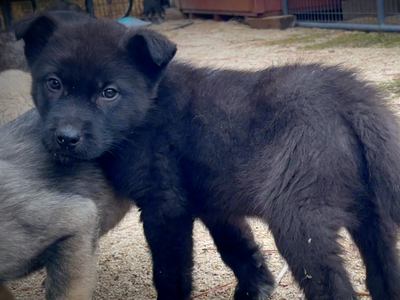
(124, 259)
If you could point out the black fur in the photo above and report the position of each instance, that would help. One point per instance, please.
(307, 148)
(154, 10)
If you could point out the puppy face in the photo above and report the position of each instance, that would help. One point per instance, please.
(93, 81)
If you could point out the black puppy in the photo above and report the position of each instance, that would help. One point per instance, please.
(154, 10)
(307, 148)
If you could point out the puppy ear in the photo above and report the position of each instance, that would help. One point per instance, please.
(151, 51)
(35, 31)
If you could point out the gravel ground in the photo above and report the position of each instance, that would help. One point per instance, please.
(124, 259)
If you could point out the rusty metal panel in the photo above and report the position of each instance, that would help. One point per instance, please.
(234, 6)
(223, 5)
(272, 5)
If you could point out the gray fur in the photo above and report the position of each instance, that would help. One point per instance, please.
(50, 216)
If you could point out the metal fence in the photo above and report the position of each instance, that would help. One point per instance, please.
(367, 15)
(102, 9)
(113, 9)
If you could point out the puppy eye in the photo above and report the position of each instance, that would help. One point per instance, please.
(53, 84)
(109, 94)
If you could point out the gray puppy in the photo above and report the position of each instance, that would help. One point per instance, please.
(50, 216)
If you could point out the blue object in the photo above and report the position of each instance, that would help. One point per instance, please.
(133, 22)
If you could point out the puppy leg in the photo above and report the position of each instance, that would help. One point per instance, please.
(71, 275)
(162, 14)
(71, 266)
(154, 17)
(376, 238)
(307, 239)
(168, 230)
(159, 17)
(236, 245)
(5, 293)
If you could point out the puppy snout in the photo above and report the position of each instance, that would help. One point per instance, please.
(68, 137)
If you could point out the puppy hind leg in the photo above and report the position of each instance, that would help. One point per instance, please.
(238, 249)
(376, 239)
(307, 239)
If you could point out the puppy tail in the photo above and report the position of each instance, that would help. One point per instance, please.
(378, 132)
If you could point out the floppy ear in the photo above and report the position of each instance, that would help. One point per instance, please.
(35, 31)
(151, 51)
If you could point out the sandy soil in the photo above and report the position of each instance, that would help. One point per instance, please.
(124, 259)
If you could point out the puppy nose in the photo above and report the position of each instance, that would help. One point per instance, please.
(68, 137)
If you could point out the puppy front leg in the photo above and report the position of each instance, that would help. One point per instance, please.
(71, 274)
(71, 263)
(5, 293)
(168, 230)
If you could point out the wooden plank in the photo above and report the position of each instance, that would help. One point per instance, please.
(276, 22)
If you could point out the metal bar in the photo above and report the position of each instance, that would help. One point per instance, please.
(33, 3)
(7, 13)
(285, 9)
(128, 11)
(362, 27)
(380, 6)
(90, 8)
(360, 11)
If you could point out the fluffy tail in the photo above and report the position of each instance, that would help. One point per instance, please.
(378, 131)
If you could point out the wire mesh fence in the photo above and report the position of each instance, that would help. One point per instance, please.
(103, 9)
(112, 9)
(349, 14)
(318, 10)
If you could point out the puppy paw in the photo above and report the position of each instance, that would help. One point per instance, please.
(261, 292)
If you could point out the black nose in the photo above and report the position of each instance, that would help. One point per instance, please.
(68, 137)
